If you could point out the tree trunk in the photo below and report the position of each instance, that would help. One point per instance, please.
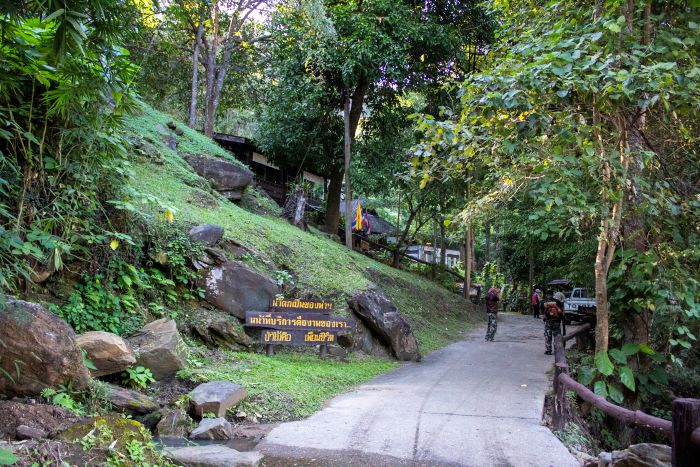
(402, 239)
(468, 260)
(195, 76)
(487, 242)
(348, 192)
(531, 271)
(335, 187)
(211, 74)
(443, 246)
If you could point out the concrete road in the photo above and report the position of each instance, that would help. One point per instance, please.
(474, 403)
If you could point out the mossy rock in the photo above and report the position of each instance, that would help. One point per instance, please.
(108, 429)
(111, 440)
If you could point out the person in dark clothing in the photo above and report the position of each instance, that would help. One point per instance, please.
(553, 316)
(492, 298)
(536, 303)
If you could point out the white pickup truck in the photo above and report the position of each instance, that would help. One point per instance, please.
(579, 305)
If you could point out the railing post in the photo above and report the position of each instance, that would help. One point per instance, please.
(560, 366)
(559, 414)
(686, 418)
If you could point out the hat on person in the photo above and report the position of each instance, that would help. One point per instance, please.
(538, 291)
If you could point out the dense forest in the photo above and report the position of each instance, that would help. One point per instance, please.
(540, 139)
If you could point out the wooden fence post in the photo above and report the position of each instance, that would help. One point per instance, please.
(559, 414)
(686, 418)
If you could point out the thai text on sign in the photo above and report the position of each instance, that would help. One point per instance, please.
(295, 321)
(279, 337)
(314, 306)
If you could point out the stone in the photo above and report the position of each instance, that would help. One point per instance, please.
(337, 352)
(213, 455)
(227, 335)
(108, 352)
(170, 141)
(159, 348)
(213, 428)
(206, 233)
(174, 422)
(216, 397)
(382, 317)
(130, 401)
(234, 288)
(643, 455)
(171, 125)
(226, 177)
(253, 433)
(38, 351)
(26, 432)
(122, 430)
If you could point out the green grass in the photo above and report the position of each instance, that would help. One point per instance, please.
(294, 383)
(291, 385)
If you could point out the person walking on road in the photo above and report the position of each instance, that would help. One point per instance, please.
(536, 303)
(491, 302)
(553, 317)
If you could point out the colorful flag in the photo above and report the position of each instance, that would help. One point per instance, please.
(357, 224)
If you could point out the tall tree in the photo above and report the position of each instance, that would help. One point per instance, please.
(564, 116)
(372, 49)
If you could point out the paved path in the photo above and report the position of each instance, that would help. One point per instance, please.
(473, 403)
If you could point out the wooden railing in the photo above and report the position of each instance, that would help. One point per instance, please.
(683, 430)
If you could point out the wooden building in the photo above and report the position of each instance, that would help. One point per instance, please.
(275, 180)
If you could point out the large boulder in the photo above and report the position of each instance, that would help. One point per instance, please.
(234, 288)
(38, 351)
(108, 352)
(382, 317)
(213, 428)
(212, 455)
(226, 177)
(216, 397)
(159, 348)
(129, 401)
(206, 233)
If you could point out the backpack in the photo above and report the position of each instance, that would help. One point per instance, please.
(552, 310)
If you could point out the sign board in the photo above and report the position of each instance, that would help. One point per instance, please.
(298, 305)
(281, 337)
(297, 321)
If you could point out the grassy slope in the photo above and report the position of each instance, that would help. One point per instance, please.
(319, 265)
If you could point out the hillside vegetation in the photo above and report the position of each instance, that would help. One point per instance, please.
(319, 265)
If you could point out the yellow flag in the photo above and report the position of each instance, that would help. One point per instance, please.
(358, 216)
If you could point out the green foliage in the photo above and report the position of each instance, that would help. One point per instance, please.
(63, 397)
(64, 89)
(138, 377)
(7, 457)
(616, 366)
(111, 300)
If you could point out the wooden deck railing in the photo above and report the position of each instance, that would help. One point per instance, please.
(683, 430)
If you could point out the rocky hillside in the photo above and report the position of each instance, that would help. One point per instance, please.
(311, 264)
(153, 330)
